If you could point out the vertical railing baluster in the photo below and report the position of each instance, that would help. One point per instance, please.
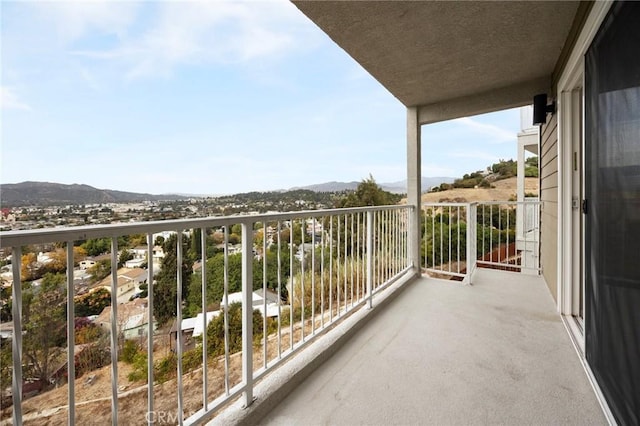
(16, 341)
(425, 237)
(369, 248)
(458, 237)
(394, 242)
(225, 295)
(203, 274)
(357, 256)
(346, 266)
(179, 324)
(331, 269)
(433, 238)
(499, 231)
(508, 210)
(322, 277)
(338, 282)
(150, 288)
(279, 260)
(71, 367)
(115, 334)
(293, 286)
(385, 239)
(264, 293)
(247, 312)
(313, 275)
(449, 238)
(483, 234)
(353, 236)
(302, 256)
(491, 233)
(441, 240)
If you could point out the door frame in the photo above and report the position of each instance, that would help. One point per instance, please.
(570, 111)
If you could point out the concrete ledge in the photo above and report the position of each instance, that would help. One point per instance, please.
(283, 380)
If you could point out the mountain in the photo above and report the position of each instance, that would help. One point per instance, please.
(47, 193)
(399, 187)
(328, 187)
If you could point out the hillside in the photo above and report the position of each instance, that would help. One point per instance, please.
(399, 187)
(47, 193)
(503, 190)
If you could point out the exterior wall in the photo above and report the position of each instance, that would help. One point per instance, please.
(549, 198)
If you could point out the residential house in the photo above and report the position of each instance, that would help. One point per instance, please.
(132, 321)
(190, 327)
(128, 280)
(87, 263)
(272, 301)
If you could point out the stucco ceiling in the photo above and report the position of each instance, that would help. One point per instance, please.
(448, 56)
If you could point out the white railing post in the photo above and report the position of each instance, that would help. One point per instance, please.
(16, 312)
(113, 320)
(203, 272)
(150, 395)
(180, 338)
(369, 259)
(471, 241)
(247, 312)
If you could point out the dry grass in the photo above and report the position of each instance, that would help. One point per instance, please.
(504, 189)
(93, 402)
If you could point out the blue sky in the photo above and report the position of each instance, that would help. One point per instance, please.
(206, 98)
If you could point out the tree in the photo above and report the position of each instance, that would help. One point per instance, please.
(125, 255)
(29, 269)
(531, 167)
(215, 331)
(58, 259)
(368, 193)
(164, 291)
(215, 277)
(92, 303)
(5, 303)
(6, 367)
(99, 271)
(96, 247)
(44, 329)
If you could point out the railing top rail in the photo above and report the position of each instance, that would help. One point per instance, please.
(77, 233)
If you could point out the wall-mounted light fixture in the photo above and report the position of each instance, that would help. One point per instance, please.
(541, 109)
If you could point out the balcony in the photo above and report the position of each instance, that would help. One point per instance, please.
(345, 284)
(495, 352)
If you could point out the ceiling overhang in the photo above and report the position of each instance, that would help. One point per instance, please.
(451, 59)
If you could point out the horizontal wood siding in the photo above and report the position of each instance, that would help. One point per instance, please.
(549, 198)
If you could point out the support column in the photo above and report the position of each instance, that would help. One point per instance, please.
(520, 187)
(414, 183)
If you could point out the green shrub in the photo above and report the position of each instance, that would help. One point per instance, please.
(215, 330)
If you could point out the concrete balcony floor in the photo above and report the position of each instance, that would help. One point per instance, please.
(441, 353)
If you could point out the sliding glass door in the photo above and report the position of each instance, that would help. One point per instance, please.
(612, 219)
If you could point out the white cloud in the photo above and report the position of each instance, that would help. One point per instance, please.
(73, 20)
(208, 32)
(9, 100)
(495, 133)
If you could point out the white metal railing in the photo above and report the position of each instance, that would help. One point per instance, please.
(337, 259)
(458, 237)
